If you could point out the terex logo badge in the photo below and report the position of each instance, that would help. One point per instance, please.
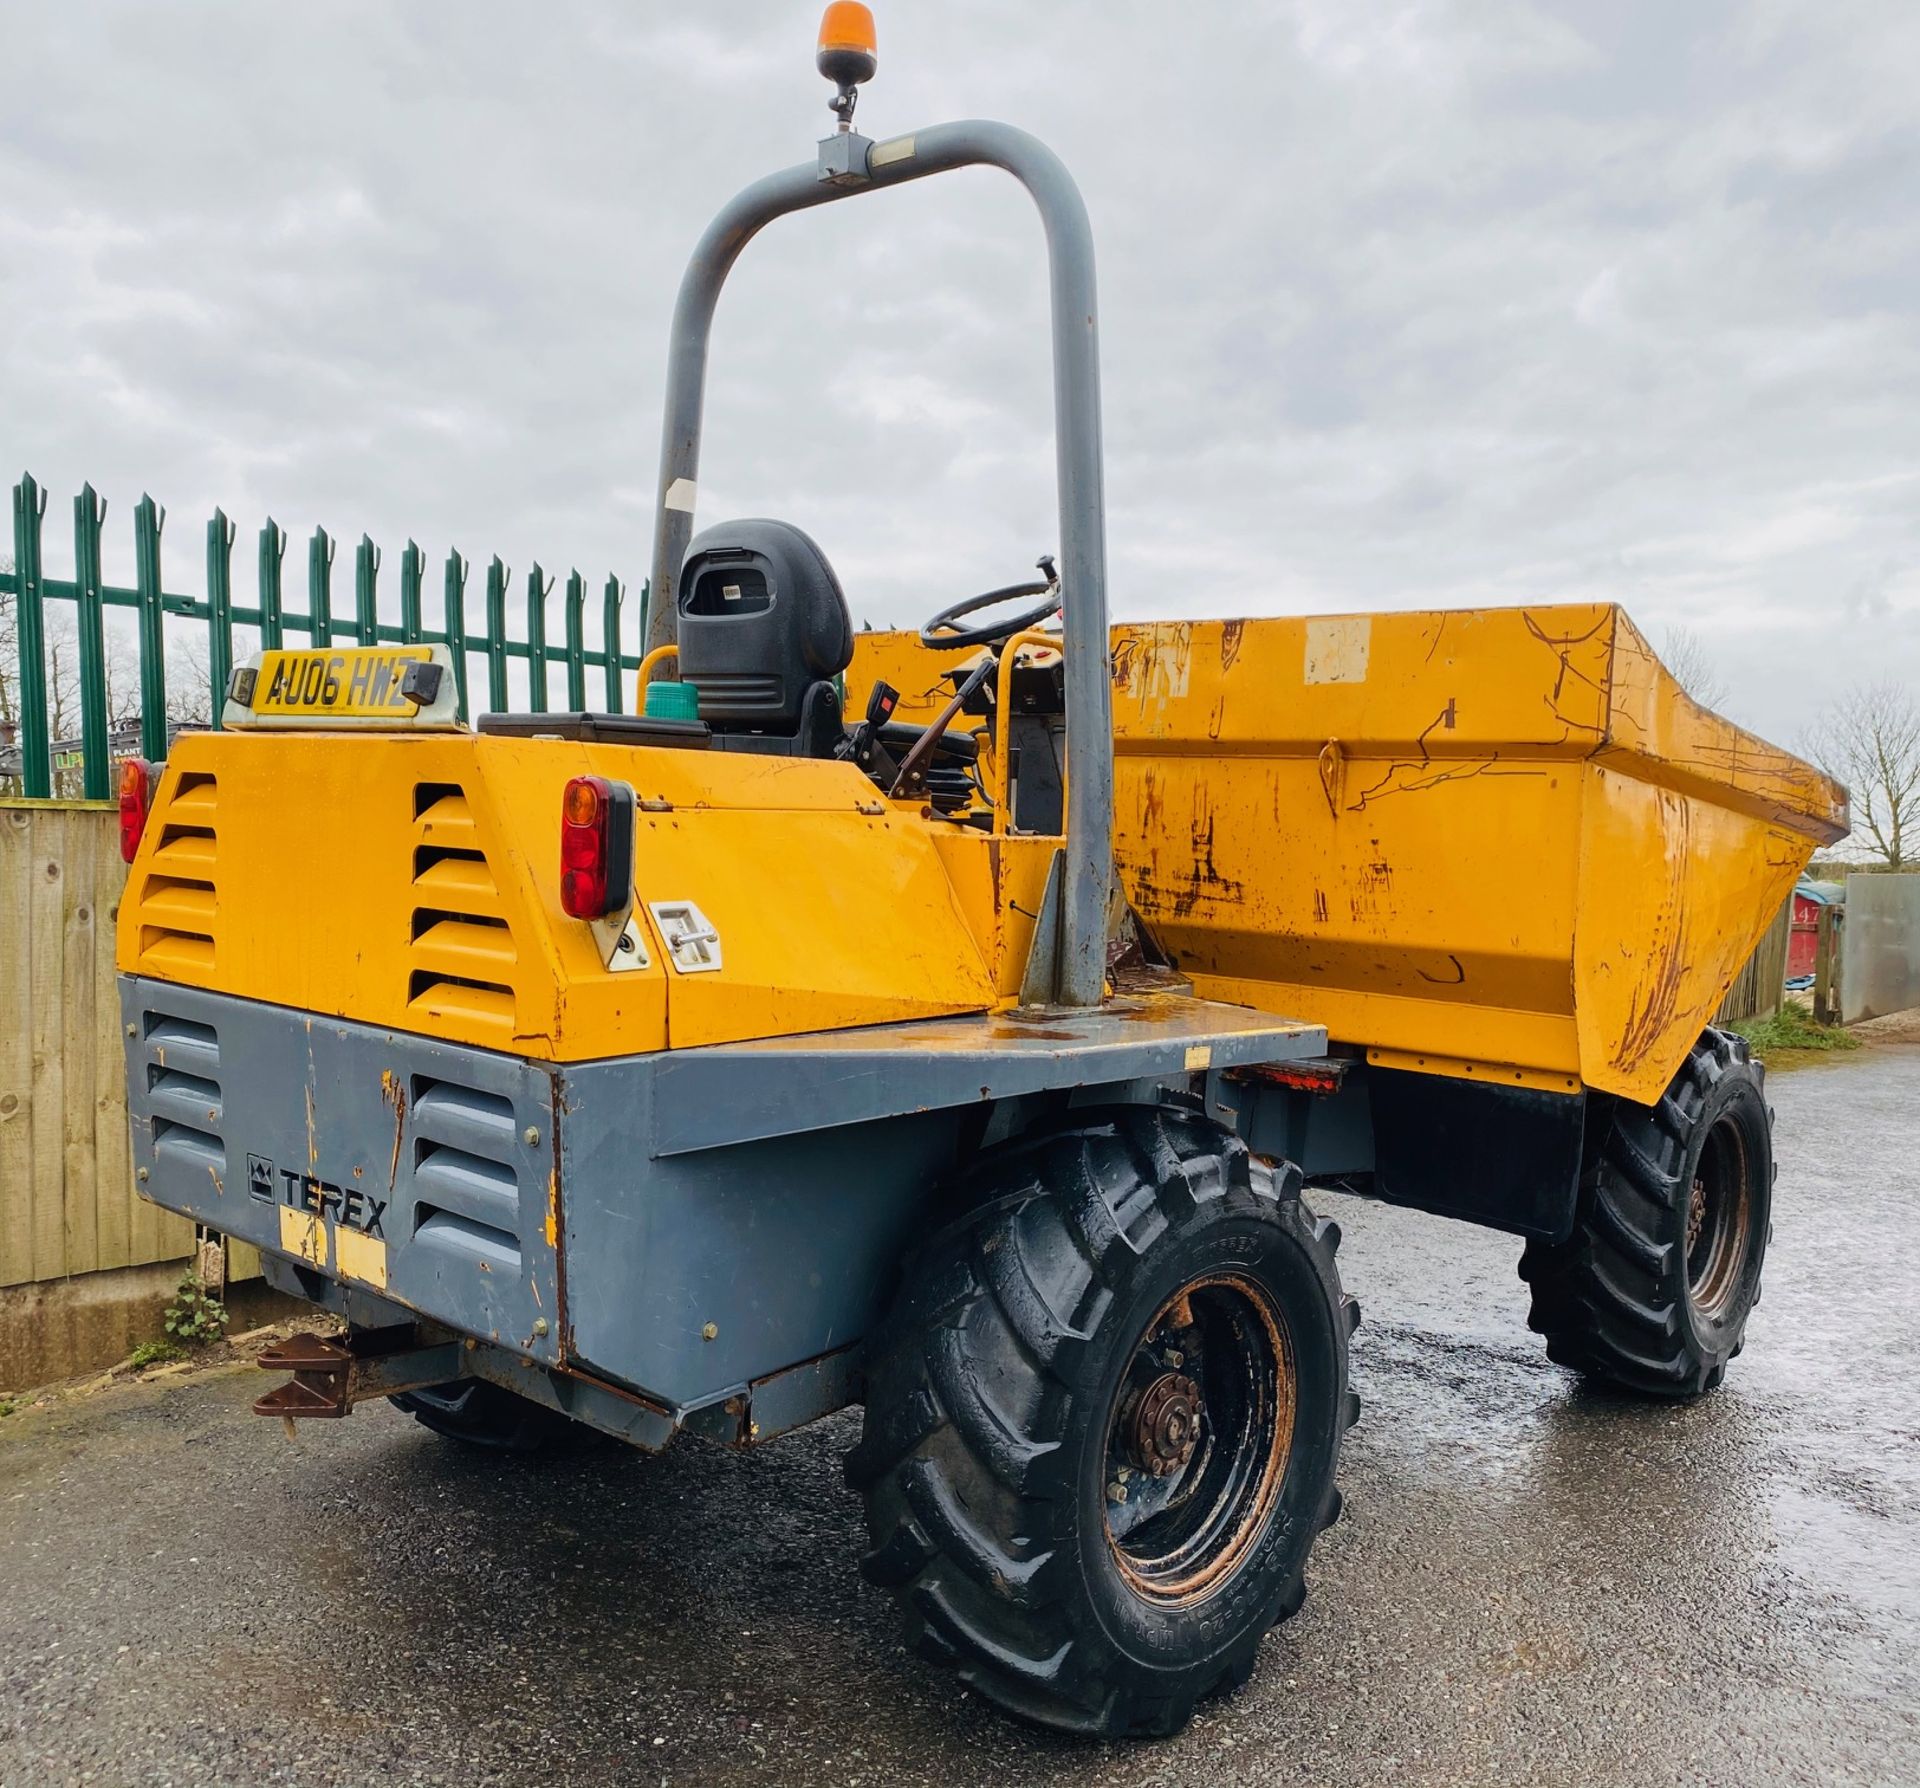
(299, 1191)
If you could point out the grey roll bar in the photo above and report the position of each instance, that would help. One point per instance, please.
(849, 164)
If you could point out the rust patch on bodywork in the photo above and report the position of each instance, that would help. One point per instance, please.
(1656, 996)
(1232, 633)
(395, 1094)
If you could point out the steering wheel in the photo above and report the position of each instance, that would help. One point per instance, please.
(945, 634)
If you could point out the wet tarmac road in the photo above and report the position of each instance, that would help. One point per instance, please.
(1533, 1584)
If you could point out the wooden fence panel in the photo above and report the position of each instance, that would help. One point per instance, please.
(67, 1201)
(1761, 985)
(17, 1177)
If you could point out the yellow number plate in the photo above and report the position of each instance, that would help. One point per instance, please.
(355, 682)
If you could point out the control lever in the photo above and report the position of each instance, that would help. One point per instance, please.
(912, 776)
(862, 745)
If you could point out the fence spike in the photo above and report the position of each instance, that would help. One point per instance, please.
(413, 569)
(320, 551)
(610, 629)
(273, 553)
(220, 538)
(539, 587)
(36, 755)
(497, 635)
(456, 588)
(366, 592)
(576, 641)
(88, 515)
(148, 521)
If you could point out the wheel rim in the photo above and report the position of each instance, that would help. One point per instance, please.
(1198, 1439)
(1718, 1214)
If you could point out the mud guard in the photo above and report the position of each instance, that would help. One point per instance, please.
(1507, 1157)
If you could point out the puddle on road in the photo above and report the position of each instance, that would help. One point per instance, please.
(1839, 1548)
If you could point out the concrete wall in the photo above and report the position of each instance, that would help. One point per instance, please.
(1880, 947)
(58, 1328)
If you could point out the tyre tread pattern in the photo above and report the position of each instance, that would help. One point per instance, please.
(949, 1471)
(1610, 1300)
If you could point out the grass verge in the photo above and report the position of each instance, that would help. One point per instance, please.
(1792, 1033)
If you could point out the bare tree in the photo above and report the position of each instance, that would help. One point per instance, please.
(1686, 657)
(1870, 740)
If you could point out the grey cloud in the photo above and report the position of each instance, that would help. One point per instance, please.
(1438, 303)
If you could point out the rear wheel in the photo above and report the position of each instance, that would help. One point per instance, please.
(1103, 1422)
(1653, 1290)
(479, 1414)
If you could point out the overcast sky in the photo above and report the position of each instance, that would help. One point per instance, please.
(1402, 305)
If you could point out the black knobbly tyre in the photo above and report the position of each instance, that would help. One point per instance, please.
(1652, 1291)
(1103, 1421)
(479, 1414)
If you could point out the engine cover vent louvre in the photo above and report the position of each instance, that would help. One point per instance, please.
(462, 960)
(466, 1187)
(183, 1093)
(179, 902)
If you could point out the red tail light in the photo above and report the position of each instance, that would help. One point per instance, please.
(136, 797)
(596, 847)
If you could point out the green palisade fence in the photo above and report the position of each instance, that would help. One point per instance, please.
(91, 596)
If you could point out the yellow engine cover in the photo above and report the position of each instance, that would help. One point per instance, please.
(414, 882)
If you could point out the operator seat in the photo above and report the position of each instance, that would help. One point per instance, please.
(764, 630)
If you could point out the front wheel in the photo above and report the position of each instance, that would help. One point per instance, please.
(1103, 1422)
(1652, 1291)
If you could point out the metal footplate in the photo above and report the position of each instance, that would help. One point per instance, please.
(728, 1093)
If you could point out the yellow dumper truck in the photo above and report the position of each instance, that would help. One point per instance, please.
(948, 1024)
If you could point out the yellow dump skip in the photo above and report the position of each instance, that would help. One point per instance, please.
(1500, 843)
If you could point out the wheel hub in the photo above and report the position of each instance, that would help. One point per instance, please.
(1198, 1439)
(1719, 1219)
(1166, 1424)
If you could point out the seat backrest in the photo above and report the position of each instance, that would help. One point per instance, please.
(762, 623)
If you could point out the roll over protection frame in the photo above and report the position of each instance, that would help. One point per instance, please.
(848, 164)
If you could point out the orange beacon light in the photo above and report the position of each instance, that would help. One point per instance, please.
(847, 54)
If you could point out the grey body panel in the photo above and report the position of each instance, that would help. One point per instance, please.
(787, 1247)
(448, 1150)
(738, 1092)
(686, 1224)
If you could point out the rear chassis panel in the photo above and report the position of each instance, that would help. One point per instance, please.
(701, 1236)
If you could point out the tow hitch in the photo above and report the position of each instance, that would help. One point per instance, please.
(330, 1377)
